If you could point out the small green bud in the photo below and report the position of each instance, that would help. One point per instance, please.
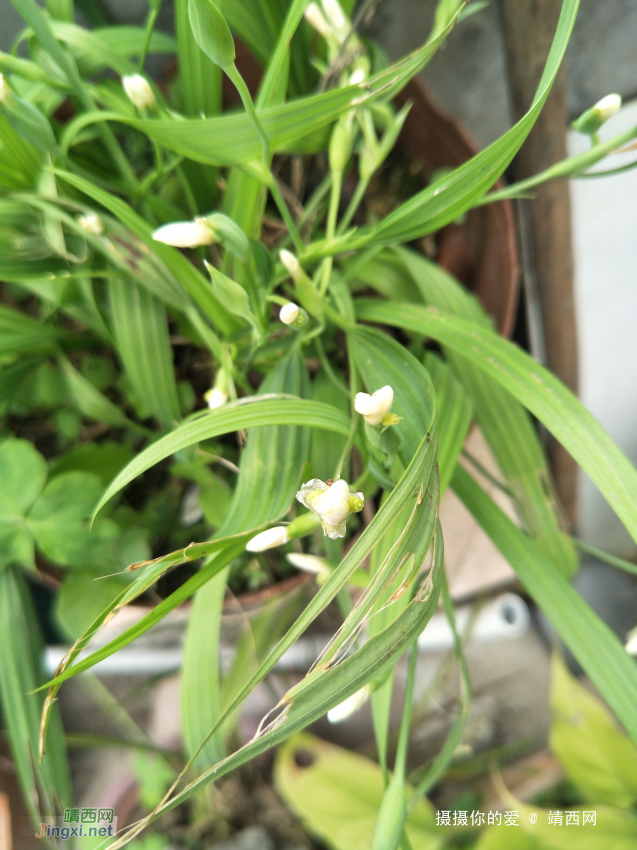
(356, 503)
(391, 817)
(303, 525)
(340, 146)
(390, 419)
(590, 121)
(211, 32)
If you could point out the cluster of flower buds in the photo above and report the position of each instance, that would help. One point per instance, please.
(590, 121)
(139, 92)
(332, 503)
(306, 292)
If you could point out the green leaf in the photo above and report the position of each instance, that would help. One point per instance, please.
(247, 413)
(511, 435)
(328, 685)
(228, 549)
(199, 77)
(23, 472)
(383, 361)
(20, 334)
(269, 472)
(46, 787)
(58, 521)
(596, 756)
(593, 644)
(231, 139)
(91, 402)
(613, 828)
(233, 296)
(184, 271)
(336, 794)
(82, 598)
(211, 32)
(458, 191)
(454, 416)
(534, 387)
(141, 334)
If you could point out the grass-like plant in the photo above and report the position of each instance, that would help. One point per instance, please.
(138, 221)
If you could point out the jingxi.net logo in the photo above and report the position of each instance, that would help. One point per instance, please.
(80, 823)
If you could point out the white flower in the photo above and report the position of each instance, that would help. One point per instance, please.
(291, 264)
(185, 234)
(349, 706)
(309, 564)
(607, 106)
(268, 539)
(631, 643)
(335, 15)
(289, 313)
(139, 91)
(316, 18)
(5, 91)
(331, 503)
(91, 223)
(215, 398)
(374, 408)
(357, 77)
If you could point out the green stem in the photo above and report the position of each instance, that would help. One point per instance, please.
(614, 561)
(353, 205)
(335, 196)
(237, 79)
(283, 208)
(150, 26)
(400, 765)
(325, 363)
(572, 166)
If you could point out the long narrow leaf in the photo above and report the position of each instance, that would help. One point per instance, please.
(534, 387)
(248, 413)
(593, 644)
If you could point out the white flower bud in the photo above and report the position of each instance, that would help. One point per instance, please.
(309, 564)
(5, 91)
(215, 398)
(291, 264)
(316, 18)
(289, 313)
(139, 91)
(349, 706)
(268, 539)
(357, 77)
(374, 408)
(91, 223)
(631, 643)
(607, 106)
(185, 234)
(331, 503)
(335, 14)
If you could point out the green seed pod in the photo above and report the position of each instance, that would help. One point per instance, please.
(391, 817)
(211, 32)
